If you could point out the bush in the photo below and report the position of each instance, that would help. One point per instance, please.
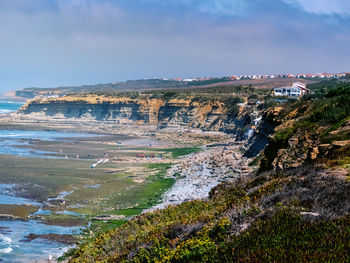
(287, 238)
(231, 105)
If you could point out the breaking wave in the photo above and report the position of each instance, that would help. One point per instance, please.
(5, 244)
(2, 111)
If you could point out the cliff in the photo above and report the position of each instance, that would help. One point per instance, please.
(310, 131)
(213, 115)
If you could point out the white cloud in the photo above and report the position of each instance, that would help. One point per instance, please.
(61, 42)
(341, 7)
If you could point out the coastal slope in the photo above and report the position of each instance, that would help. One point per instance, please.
(295, 208)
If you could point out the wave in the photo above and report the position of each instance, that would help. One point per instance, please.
(11, 102)
(2, 111)
(6, 250)
(5, 244)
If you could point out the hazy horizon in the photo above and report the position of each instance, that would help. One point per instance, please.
(50, 43)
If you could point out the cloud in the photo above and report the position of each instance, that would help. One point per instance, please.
(329, 7)
(69, 42)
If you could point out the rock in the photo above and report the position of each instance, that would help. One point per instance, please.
(64, 239)
(109, 217)
(323, 148)
(310, 216)
(197, 177)
(140, 112)
(314, 153)
(339, 144)
(293, 142)
(9, 217)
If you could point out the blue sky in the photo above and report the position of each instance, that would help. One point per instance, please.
(48, 43)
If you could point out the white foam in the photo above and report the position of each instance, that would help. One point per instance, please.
(3, 111)
(6, 250)
(5, 241)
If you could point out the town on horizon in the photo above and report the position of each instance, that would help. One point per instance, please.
(323, 75)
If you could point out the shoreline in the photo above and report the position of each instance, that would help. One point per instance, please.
(198, 173)
(196, 188)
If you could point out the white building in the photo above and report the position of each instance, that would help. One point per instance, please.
(298, 89)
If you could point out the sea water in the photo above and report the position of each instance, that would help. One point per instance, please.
(13, 244)
(12, 140)
(8, 198)
(13, 247)
(9, 106)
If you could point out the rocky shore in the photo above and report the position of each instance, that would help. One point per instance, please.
(64, 238)
(198, 173)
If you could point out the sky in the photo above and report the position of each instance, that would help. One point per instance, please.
(49, 43)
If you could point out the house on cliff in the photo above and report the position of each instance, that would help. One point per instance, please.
(298, 89)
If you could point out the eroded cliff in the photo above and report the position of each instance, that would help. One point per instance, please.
(310, 131)
(213, 115)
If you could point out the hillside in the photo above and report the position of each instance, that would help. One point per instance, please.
(108, 87)
(295, 208)
(154, 85)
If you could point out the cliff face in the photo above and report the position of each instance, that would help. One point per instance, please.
(310, 132)
(210, 115)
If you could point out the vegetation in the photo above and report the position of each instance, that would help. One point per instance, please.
(295, 215)
(322, 87)
(178, 152)
(216, 230)
(334, 108)
(288, 238)
(209, 81)
(231, 104)
(318, 116)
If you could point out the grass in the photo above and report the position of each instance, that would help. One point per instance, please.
(118, 193)
(256, 160)
(22, 211)
(178, 152)
(204, 230)
(144, 195)
(102, 227)
(287, 238)
(343, 163)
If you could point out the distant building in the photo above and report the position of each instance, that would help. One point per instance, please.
(298, 89)
(235, 78)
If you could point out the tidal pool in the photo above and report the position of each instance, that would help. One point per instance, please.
(8, 198)
(17, 142)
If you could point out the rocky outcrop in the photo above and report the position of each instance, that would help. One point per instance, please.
(299, 139)
(301, 147)
(209, 116)
(260, 138)
(64, 238)
(196, 174)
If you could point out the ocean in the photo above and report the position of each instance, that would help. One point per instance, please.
(9, 106)
(13, 247)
